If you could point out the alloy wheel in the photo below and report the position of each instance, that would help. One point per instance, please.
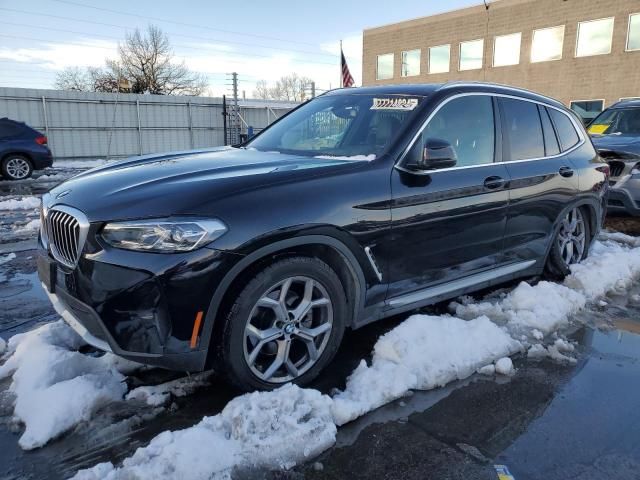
(288, 329)
(572, 237)
(18, 168)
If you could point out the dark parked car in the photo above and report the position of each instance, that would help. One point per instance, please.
(360, 204)
(22, 150)
(616, 135)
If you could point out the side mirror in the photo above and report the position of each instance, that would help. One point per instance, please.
(437, 153)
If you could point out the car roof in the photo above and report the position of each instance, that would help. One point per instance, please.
(426, 89)
(626, 103)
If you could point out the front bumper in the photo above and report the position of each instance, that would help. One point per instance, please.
(622, 200)
(140, 306)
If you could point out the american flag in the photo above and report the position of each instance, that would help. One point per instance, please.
(347, 79)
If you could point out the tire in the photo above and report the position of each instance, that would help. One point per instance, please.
(261, 331)
(560, 259)
(16, 167)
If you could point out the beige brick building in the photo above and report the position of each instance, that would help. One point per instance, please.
(573, 50)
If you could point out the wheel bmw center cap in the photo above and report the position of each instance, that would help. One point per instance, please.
(289, 328)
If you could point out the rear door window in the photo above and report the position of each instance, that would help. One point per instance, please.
(521, 123)
(8, 130)
(566, 131)
(551, 145)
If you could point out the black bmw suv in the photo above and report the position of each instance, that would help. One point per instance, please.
(360, 204)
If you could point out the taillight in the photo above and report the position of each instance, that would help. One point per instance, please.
(41, 140)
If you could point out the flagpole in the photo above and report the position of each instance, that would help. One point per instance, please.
(340, 60)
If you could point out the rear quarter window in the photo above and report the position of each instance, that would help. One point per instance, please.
(567, 133)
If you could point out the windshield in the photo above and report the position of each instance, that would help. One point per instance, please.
(617, 121)
(347, 126)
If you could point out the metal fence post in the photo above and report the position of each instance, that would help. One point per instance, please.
(139, 127)
(190, 124)
(46, 119)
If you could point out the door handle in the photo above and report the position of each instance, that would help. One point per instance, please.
(494, 182)
(566, 172)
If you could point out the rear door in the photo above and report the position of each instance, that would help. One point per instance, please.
(543, 178)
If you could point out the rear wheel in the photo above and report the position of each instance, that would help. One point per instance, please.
(571, 243)
(285, 325)
(16, 167)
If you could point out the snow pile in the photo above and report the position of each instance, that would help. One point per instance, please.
(155, 395)
(612, 265)
(504, 366)
(7, 258)
(28, 228)
(540, 309)
(422, 353)
(558, 351)
(25, 203)
(55, 386)
(263, 429)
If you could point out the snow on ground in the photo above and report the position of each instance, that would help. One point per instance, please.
(262, 429)
(422, 353)
(155, 395)
(24, 203)
(289, 425)
(28, 228)
(55, 386)
(3, 345)
(7, 258)
(79, 163)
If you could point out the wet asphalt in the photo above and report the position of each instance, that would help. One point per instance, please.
(549, 421)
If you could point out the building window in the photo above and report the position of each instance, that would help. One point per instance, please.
(547, 44)
(633, 35)
(594, 37)
(410, 63)
(471, 54)
(384, 67)
(439, 59)
(506, 50)
(587, 110)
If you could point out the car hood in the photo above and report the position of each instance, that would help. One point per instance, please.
(622, 143)
(179, 183)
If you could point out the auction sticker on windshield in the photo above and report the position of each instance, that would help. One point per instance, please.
(394, 103)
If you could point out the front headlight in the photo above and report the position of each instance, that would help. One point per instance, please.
(163, 236)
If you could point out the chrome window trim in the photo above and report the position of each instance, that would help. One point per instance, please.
(406, 151)
(613, 29)
(626, 45)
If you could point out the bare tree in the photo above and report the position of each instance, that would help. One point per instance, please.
(291, 87)
(146, 60)
(145, 65)
(73, 78)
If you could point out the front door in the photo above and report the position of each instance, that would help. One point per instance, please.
(449, 223)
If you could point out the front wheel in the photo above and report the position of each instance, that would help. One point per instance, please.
(285, 326)
(571, 243)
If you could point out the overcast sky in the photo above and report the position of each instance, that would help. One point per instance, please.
(258, 39)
